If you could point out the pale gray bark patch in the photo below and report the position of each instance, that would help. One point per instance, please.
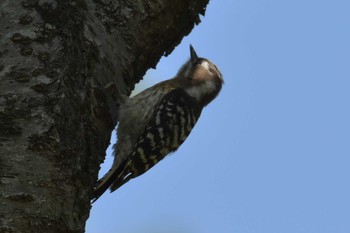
(64, 67)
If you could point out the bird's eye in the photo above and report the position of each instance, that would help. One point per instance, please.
(197, 62)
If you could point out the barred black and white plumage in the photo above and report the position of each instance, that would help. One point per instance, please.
(157, 121)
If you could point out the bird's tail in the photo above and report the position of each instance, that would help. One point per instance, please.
(115, 176)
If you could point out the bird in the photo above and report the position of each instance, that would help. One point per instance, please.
(155, 122)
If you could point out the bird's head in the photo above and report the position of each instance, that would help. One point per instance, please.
(201, 78)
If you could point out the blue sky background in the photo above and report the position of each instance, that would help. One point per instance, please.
(272, 152)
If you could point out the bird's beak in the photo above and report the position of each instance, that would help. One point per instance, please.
(194, 55)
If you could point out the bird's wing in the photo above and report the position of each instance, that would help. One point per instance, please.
(172, 121)
(170, 125)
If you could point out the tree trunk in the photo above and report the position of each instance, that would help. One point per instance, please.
(64, 67)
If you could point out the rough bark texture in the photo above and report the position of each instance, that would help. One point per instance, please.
(64, 66)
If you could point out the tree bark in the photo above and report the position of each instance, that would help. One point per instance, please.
(64, 67)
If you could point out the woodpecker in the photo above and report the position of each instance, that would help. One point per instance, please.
(158, 120)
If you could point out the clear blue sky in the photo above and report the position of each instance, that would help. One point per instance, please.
(272, 152)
